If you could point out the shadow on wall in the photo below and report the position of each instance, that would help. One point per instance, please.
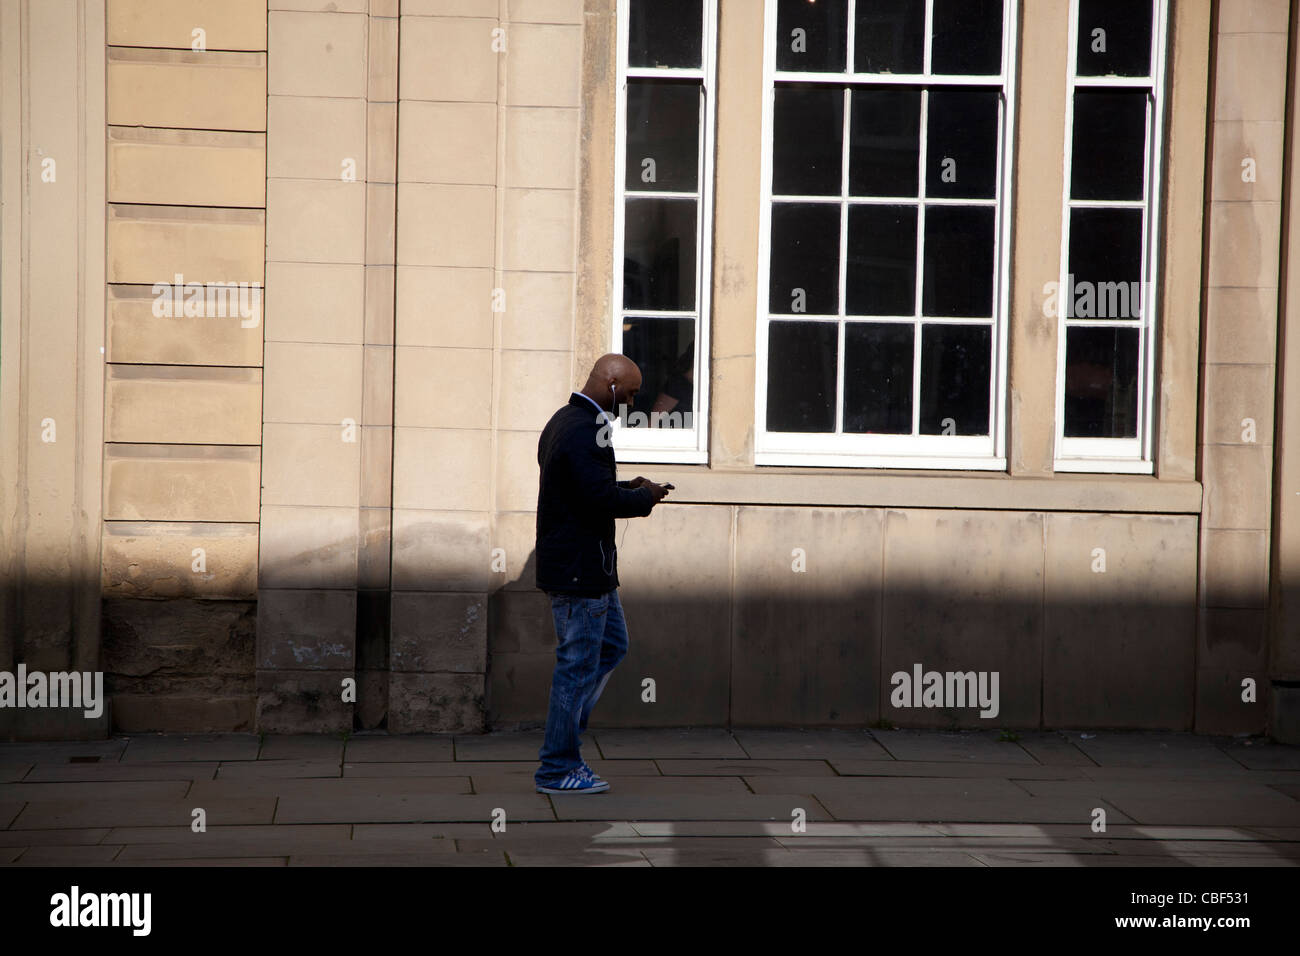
(764, 649)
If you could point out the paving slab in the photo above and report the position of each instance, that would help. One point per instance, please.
(670, 742)
(809, 857)
(814, 744)
(10, 853)
(358, 858)
(413, 808)
(326, 788)
(729, 829)
(184, 835)
(1174, 804)
(518, 746)
(613, 806)
(62, 751)
(413, 833)
(268, 769)
(978, 746)
(593, 857)
(732, 767)
(954, 768)
(165, 747)
(1263, 755)
(269, 845)
(956, 808)
(119, 770)
(250, 861)
(10, 810)
(1052, 749)
(79, 837)
(54, 855)
(302, 747)
(126, 812)
(96, 790)
(919, 789)
(1152, 750)
(398, 749)
(13, 772)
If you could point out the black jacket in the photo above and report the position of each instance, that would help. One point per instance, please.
(578, 498)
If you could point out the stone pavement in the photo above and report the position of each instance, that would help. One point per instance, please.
(678, 797)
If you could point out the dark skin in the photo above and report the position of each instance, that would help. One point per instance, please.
(614, 379)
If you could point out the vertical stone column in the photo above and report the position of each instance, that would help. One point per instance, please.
(1284, 631)
(314, 405)
(486, 246)
(374, 534)
(1038, 185)
(444, 361)
(51, 347)
(1237, 372)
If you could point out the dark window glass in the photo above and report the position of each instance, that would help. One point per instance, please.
(962, 144)
(811, 37)
(958, 261)
(664, 350)
(1106, 263)
(882, 260)
(956, 363)
(889, 36)
(1101, 374)
(659, 254)
(663, 135)
(884, 142)
(805, 272)
(1114, 37)
(878, 378)
(1110, 137)
(665, 33)
(801, 367)
(967, 37)
(807, 138)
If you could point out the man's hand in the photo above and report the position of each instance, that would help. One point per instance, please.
(637, 482)
(659, 491)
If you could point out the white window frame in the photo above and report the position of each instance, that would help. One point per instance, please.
(836, 449)
(1117, 455)
(669, 445)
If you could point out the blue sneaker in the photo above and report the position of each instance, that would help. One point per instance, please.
(591, 774)
(576, 781)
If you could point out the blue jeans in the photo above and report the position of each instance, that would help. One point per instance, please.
(592, 639)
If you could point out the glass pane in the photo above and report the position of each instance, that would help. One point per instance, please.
(807, 140)
(805, 272)
(811, 37)
(889, 36)
(659, 254)
(801, 365)
(884, 142)
(878, 378)
(962, 144)
(958, 261)
(1110, 141)
(665, 33)
(1114, 37)
(882, 260)
(956, 364)
(663, 135)
(664, 349)
(1105, 263)
(1101, 373)
(967, 37)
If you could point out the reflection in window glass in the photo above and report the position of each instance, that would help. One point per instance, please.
(1101, 375)
(664, 350)
(663, 136)
(659, 254)
(665, 33)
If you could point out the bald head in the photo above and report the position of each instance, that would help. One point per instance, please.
(613, 379)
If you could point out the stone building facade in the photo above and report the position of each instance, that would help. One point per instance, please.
(413, 226)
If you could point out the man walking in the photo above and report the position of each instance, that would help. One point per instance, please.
(578, 498)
